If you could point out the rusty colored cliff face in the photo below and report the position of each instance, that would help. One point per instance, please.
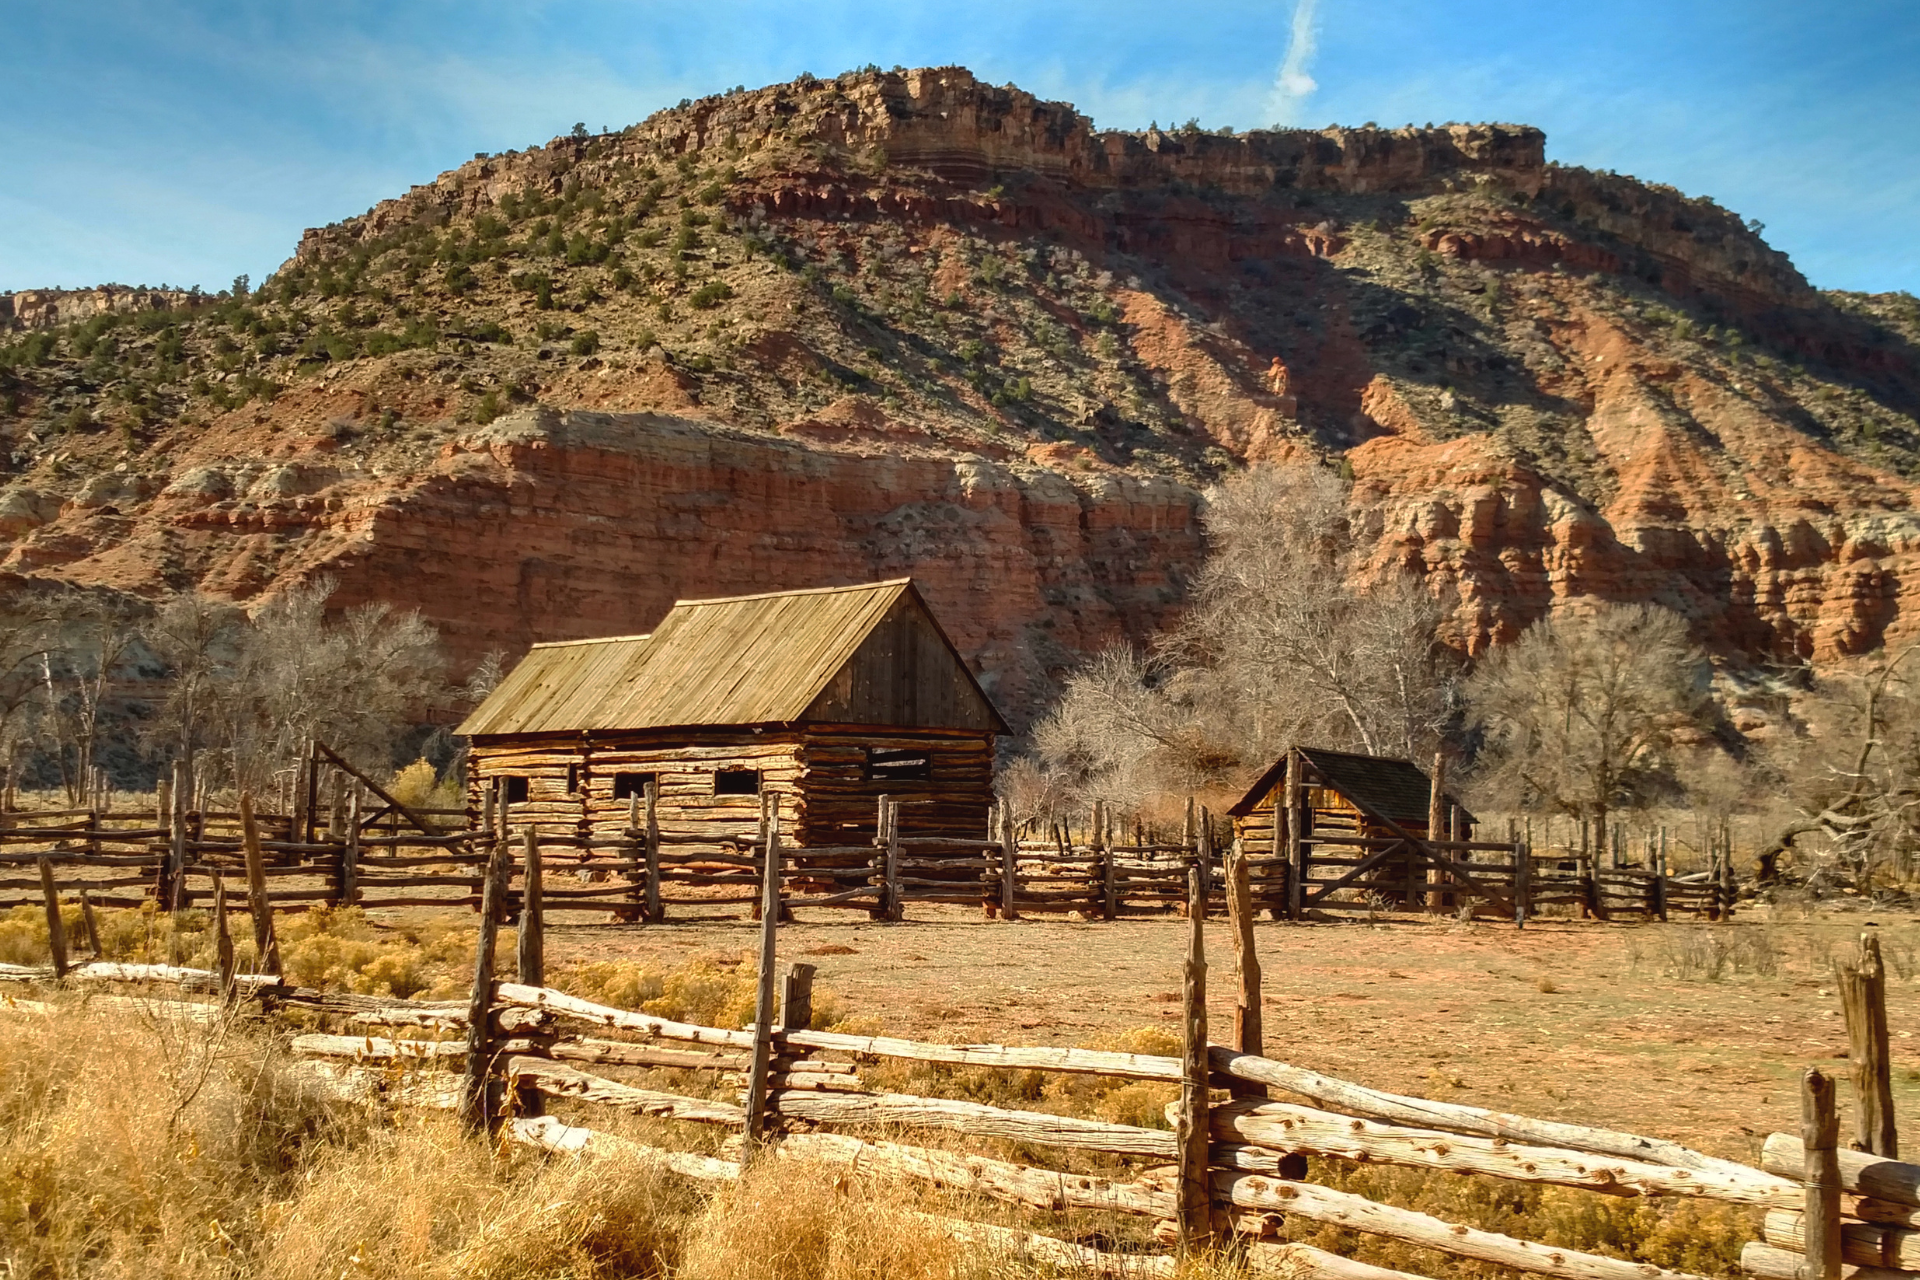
(910, 323)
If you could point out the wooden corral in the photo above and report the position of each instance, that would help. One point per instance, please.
(824, 700)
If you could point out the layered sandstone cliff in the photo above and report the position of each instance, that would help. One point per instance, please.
(910, 323)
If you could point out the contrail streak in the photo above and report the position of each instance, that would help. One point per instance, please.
(1291, 84)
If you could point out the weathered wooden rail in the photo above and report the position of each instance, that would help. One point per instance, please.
(1233, 1165)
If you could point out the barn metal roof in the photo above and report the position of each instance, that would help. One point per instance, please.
(759, 659)
(1395, 789)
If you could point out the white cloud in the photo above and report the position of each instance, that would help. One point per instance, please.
(1292, 85)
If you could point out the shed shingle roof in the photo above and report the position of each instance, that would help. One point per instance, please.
(759, 659)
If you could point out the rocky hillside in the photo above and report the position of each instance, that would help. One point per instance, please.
(908, 322)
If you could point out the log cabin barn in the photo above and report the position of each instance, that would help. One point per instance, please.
(825, 699)
(1345, 794)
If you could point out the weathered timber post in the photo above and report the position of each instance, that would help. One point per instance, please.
(896, 900)
(796, 996)
(163, 818)
(177, 840)
(1195, 1221)
(1436, 832)
(1296, 838)
(635, 863)
(1203, 858)
(531, 951)
(1726, 872)
(1103, 849)
(1522, 882)
(479, 1100)
(655, 911)
(223, 938)
(532, 944)
(1820, 1134)
(56, 927)
(91, 924)
(350, 851)
(763, 1010)
(1863, 997)
(336, 802)
(1247, 1031)
(266, 946)
(1009, 864)
(878, 878)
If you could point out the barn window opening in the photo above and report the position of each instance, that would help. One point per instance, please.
(902, 766)
(573, 779)
(516, 790)
(628, 785)
(736, 782)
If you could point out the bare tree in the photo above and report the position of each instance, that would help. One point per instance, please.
(1287, 641)
(91, 639)
(1583, 713)
(199, 639)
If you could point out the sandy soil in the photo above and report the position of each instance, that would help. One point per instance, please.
(1615, 1024)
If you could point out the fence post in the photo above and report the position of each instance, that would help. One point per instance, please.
(350, 849)
(177, 839)
(223, 937)
(1247, 1031)
(796, 996)
(1863, 997)
(531, 952)
(1726, 874)
(763, 1010)
(1522, 882)
(478, 1103)
(163, 818)
(1196, 1190)
(92, 926)
(266, 946)
(1009, 864)
(1203, 858)
(56, 927)
(1820, 1133)
(1296, 839)
(1103, 850)
(655, 911)
(896, 903)
(1436, 832)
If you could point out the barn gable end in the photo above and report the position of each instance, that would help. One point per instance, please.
(905, 673)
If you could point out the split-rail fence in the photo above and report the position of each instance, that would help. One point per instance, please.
(1229, 1171)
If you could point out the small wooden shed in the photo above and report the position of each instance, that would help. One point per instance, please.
(1345, 794)
(825, 699)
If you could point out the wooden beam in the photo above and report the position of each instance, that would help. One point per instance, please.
(1196, 1194)
(1863, 998)
(1820, 1136)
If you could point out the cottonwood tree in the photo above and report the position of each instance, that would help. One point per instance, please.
(352, 683)
(1583, 714)
(1288, 640)
(199, 639)
(90, 641)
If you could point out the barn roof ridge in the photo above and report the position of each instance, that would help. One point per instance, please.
(797, 591)
(562, 644)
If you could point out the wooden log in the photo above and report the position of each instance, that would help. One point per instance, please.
(1130, 1066)
(975, 1118)
(376, 1048)
(480, 1107)
(1195, 1216)
(755, 1136)
(561, 1081)
(1287, 1127)
(1374, 1104)
(1863, 999)
(1861, 1244)
(56, 926)
(615, 1053)
(1436, 830)
(1298, 870)
(350, 850)
(1323, 1204)
(525, 997)
(549, 1134)
(1047, 1255)
(979, 1175)
(1820, 1138)
(896, 905)
(266, 945)
(177, 838)
(1768, 1263)
(655, 912)
(1296, 1261)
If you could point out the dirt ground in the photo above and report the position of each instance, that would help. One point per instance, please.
(1692, 1031)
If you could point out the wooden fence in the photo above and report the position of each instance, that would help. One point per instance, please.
(345, 840)
(1230, 1169)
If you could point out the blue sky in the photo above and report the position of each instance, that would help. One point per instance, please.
(187, 141)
